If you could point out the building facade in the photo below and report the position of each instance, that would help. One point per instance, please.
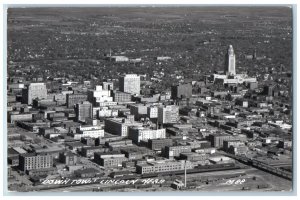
(138, 110)
(121, 96)
(83, 110)
(157, 167)
(152, 112)
(12, 118)
(140, 133)
(130, 83)
(119, 126)
(158, 144)
(99, 96)
(217, 140)
(94, 133)
(230, 62)
(34, 161)
(73, 99)
(174, 151)
(68, 158)
(109, 160)
(33, 91)
(106, 112)
(181, 91)
(168, 114)
(108, 85)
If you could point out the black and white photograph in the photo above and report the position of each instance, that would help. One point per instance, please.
(149, 98)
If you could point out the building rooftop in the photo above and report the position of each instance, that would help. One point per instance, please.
(86, 171)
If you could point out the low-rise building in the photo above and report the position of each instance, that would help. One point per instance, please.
(109, 159)
(158, 144)
(119, 126)
(174, 151)
(73, 99)
(285, 144)
(191, 156)
(217, 139)
(114, 145)
(235, 143)
(86, 173)
(134, 153)
(138, 110)
(12, 118)
(199, 144)
(89, 151)
(89, 131)
(68, 158)
(238, 150)
(106, 112)
(121, 96)
(157, 167)
(181, 91)
(41, 172)
(221, 160)
(140, 133)
(205, 150)
(34, 161)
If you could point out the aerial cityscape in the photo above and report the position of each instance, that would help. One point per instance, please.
(150, 99)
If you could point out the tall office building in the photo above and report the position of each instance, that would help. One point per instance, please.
(33, 91)
(168, 114)
(130, 83)
(230, 62)
(83, 110)
(99, 96)
(152, 112)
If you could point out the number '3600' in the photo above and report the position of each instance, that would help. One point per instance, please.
(236, 182)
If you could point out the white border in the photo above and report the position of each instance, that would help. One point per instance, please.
(93, 2)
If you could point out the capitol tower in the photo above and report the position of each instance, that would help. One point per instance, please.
(230, 62)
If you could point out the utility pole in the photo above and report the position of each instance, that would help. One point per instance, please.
(109, 54)
(185, 173)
